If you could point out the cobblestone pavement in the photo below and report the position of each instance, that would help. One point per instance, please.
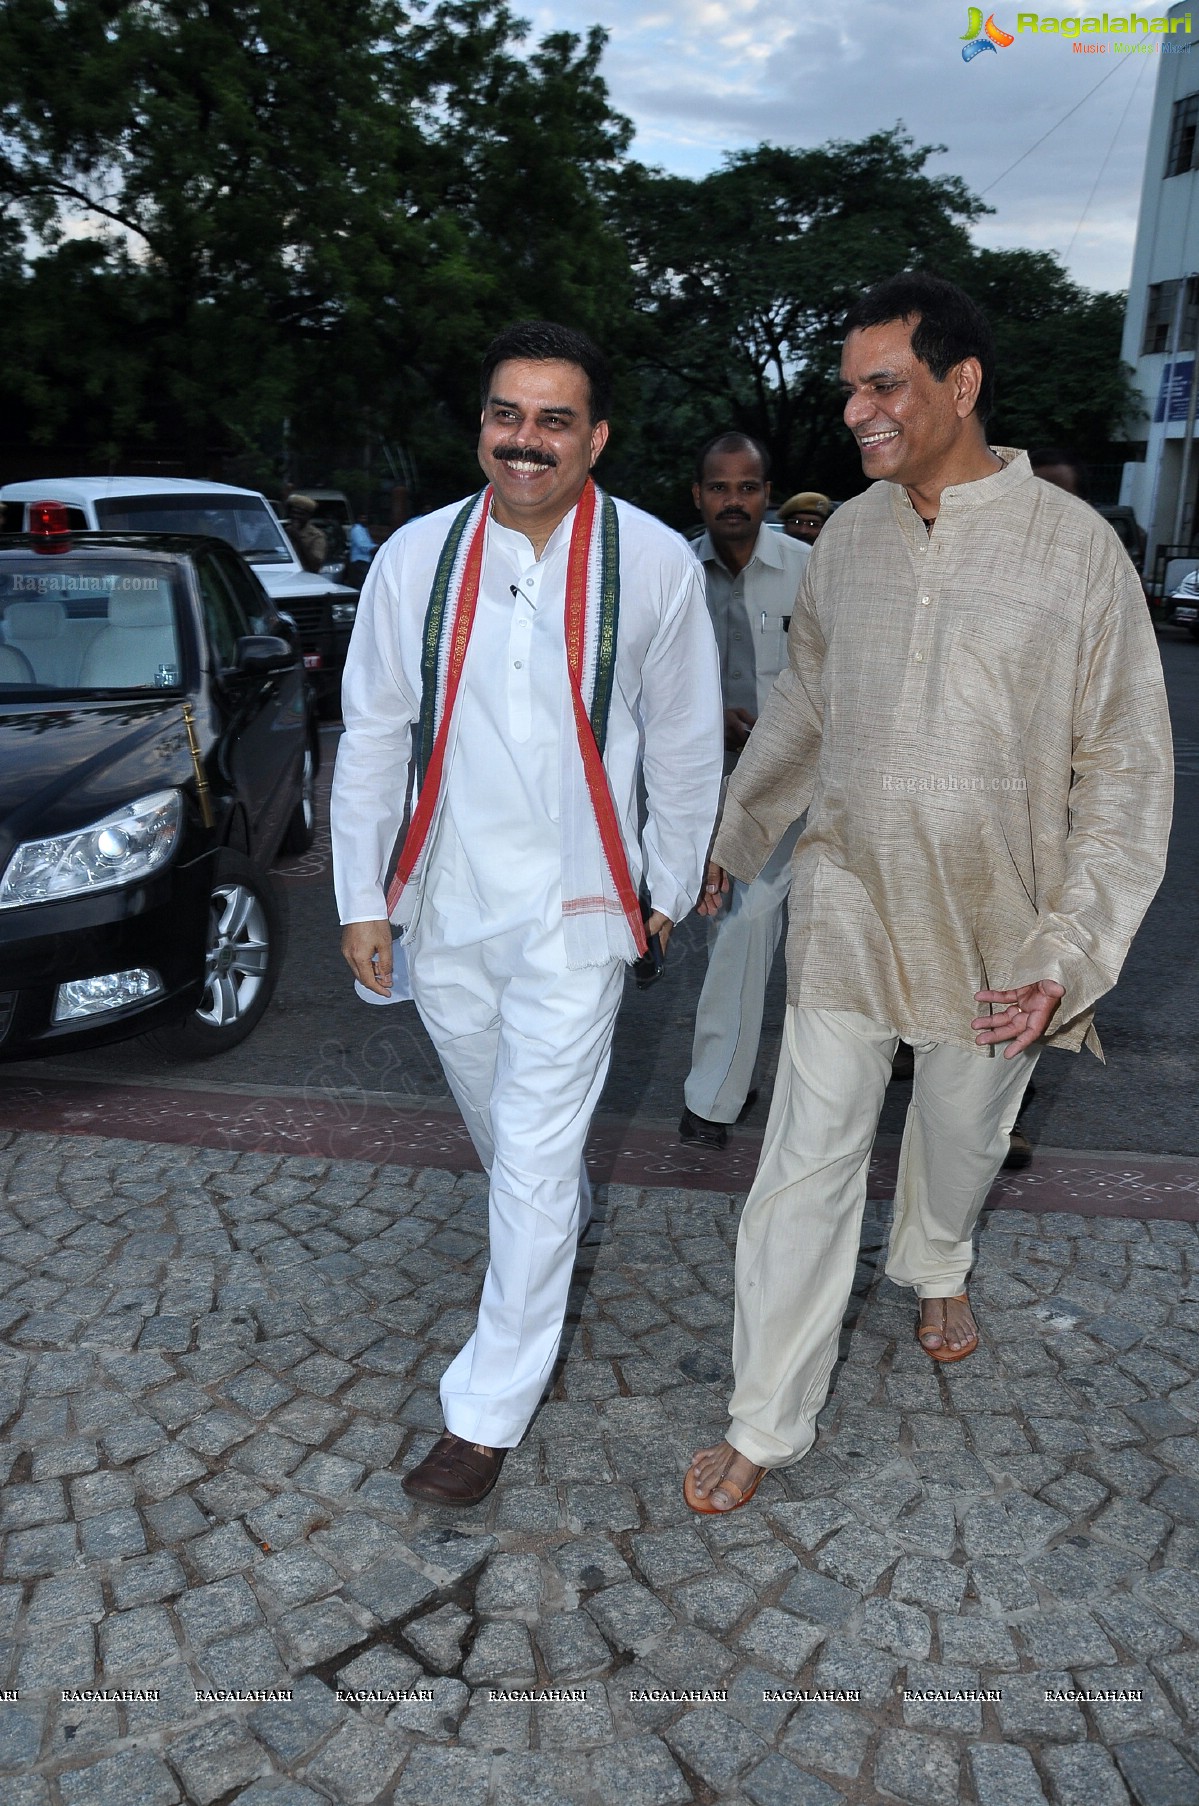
(216, 1365)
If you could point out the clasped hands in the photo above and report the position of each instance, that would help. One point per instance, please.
(1029, 1008)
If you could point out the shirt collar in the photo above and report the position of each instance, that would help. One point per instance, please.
(765, 551)
(998, 488)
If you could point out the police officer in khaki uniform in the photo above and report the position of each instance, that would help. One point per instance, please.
(752, 573)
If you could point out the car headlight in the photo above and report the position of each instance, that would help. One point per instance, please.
(129, 844)
(343, 613)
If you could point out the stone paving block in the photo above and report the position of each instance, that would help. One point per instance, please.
(939, 1585)
(922, 1770)
(762, 1564)
(902, 1629)
(829, 1737)
(60, 1601)
(629, 1616)
(846, 1664)
(1142, 1631)
(530, 1510)
(808, 1522)
(437, 1638)
(575, 1724)
(222, 1552)
(858, 1557)
(284, 1519)
(668, 1556)
(1156, 1772)
(1067, 1639)
(134, 1641)
(435, 1777)
(689, 1657)
(716, 1604)
(776, 1782)
(328, 1475)
(63, 1459)
(1000, 1586)
(357, 1762)
(639, 1772)
(249, 1658)
(25, 1505)
(295, 1575)
(353, 1540)
(571, 1647)
(950, 1703)
(391, 1589)
(502, 1656)
(215, 1611)
(291, 1793)
(819, 1599)
(781, 1641)
(496, 1726)
(1118, 1720)
(214, 1758)
(92, 1494)
(174, 1520)
(601, 1507)
(1083, 1775)
(437, 1717)
(715, 1746)
(46, 1550)
(980, 1641)
(1175, 1594)
(132, 1778)
(452, 1554)
(1004, 1776)
(113, 1534)
(167, 1470)
(20, 1738)
(62, 1655)
(1024, 1708)
(510, 1584)
(313, 1633)
(290, 1728)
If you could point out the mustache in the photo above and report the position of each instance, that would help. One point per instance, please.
(732, 514)
(519, 454)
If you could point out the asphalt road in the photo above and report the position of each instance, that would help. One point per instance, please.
(318, 1038)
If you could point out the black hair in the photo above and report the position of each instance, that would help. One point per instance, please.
(1045, 455)
(544, 341)
(731, 440)
(949, 326)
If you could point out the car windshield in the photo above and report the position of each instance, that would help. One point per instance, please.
(242, 521)
(74, 624)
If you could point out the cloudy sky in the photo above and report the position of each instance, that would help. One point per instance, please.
(702, 77)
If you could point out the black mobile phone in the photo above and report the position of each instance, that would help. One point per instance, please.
(648, 969)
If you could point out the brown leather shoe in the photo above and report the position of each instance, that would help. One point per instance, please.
(454, 1472)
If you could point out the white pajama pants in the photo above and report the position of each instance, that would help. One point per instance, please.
(797, 1246)
(525, 1044)
(728, 1020)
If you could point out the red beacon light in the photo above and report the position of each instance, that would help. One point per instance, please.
(49, 526)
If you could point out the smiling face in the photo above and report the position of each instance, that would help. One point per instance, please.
(910, 428)
(732, 499)
(537, 442)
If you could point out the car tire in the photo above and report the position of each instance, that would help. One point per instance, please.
(300, 831)
(247, 938)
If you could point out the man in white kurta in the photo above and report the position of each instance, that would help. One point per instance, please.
(513, 944)
(752, 575)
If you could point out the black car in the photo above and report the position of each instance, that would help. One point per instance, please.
(157, 749)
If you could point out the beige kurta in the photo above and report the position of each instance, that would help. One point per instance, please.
(976, 723)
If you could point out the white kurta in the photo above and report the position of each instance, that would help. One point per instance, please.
(665, 712)
(524, 1038)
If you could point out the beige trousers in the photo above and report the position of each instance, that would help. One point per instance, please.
(798, 1243)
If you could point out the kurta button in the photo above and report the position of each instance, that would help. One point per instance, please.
(516, 664)
(920, 658)
(924, 601)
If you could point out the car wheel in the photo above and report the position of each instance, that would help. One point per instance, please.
(300, 831)
(247, 935)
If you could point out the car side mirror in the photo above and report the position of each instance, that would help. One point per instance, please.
(260, 653)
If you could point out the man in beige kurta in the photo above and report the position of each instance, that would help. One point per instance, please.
(974, 717)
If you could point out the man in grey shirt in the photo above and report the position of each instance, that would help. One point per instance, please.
(752, 574)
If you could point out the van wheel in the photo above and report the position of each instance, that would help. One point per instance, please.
(247, 936)
(300, 831)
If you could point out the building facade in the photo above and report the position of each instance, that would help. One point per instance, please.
(1161, 325)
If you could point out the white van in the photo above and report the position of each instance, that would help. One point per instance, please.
(322, 610)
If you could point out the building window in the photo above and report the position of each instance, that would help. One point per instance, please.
(1159, 316)
(1184, 124)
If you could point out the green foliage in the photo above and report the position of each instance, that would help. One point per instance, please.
(270, 226)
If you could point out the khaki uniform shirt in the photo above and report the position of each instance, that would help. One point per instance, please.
(978, 721)
(750, 613)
